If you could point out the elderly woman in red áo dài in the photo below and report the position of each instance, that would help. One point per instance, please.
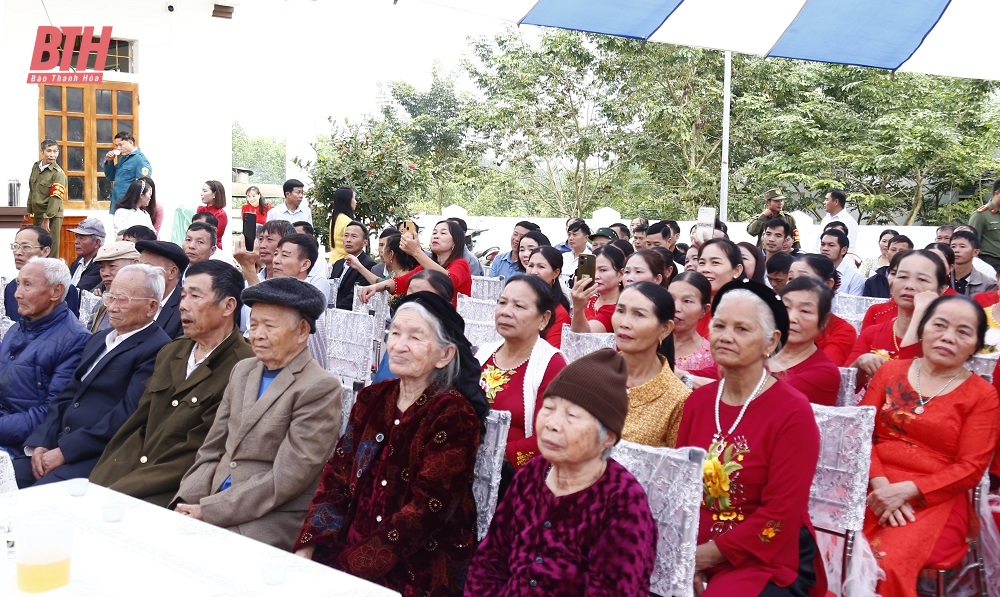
(800, 362)
(837, 337)
(936, 427)
(574, 522)
(920, 278)
(755, 537)
(394, 503)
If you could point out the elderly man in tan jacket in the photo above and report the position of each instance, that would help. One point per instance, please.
(258, 469)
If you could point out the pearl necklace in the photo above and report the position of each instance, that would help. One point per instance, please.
(919, 409)
(718, 438)
(507, 369)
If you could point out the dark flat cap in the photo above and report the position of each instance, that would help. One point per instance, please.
(288, 292)
(772, 300)
(165, 249)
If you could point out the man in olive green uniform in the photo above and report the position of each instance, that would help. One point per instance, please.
(46, 191)
(152, 450)
(986, 221)
(774, 202)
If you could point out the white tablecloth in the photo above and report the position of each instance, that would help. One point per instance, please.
(153, 551)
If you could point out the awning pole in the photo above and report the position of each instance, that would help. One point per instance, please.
(727, 100)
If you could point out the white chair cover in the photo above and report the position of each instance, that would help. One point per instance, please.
(486, 288)
(89, 303)
(349, 347)
(848, 380)
(3, 290)
(477, 309)
(989, 537)
(983, 365)
(489, 461)
(850, 305)
(672, 479)
(377, 306)
(7, 479)
(576, 345)
(5, 324)
(838, 493)
(481, 332)
(854, 320)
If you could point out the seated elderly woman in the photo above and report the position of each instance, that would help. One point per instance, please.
(837, 337)
(755, 537)
(395, 503)
(574, 522)
(278, 419)
(643, 322)
(801, 363)
(517, 370)
(936, 426)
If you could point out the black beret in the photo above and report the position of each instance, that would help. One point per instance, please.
(772, 300)
(288, 292)
(165, 249)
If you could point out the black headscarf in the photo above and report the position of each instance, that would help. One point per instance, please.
(469, 371)
(773, 302)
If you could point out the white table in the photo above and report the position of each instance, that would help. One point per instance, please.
(153, 551)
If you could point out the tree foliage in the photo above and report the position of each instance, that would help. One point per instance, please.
(264, 155)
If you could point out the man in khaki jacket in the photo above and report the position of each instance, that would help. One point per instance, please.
(46, 191)
(259, 466)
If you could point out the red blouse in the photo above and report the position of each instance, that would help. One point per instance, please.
(816, 377)
(220, 214)
(705, 323)
(260, 211)
(756, 490)
(458, 271)
(601, 315)
(836, 340)
(554, 335)
(882, 337)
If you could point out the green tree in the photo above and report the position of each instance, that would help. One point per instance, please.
(264, 155)
(373, 160)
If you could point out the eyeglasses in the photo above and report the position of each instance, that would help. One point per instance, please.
(23, 246)
(109, 298)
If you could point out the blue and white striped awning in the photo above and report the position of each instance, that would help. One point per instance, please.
(943, 37)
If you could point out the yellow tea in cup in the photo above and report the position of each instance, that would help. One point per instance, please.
(43, 542)
(36, 578)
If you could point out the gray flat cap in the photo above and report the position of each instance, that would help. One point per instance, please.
(288, 292)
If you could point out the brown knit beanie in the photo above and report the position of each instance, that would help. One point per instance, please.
(596, 382)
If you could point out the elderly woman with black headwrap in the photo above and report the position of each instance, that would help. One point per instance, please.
(574, 522)
(395, 503)
(755, 537)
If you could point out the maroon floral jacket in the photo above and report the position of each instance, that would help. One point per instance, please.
(394, 503)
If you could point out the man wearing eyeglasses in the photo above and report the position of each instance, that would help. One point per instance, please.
(39, 353)
(112, 258)
(33, 241)
(106, 387)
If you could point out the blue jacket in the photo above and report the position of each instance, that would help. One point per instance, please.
(37, 362)
(129, 168)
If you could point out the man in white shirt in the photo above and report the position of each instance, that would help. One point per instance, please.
(834, 245)
(291, 210)
(835, 204)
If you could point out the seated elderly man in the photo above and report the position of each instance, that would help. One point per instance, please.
(111, 258)
(34, 241)
(39, 353)
(105, 388)
(172, 260)
(157, 444)
(278, 422)
(573, 522)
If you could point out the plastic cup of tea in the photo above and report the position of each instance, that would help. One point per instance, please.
(112, 511)
(116, 151)
(273, 571)
(77, 487)
(43, 547)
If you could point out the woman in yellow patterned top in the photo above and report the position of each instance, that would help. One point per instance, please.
(643, 322)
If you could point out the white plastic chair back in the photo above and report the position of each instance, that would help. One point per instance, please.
(489, 461)
(672, 479)
(848, 381)
(840, 485)
(850, 305)
(983, 365)
(89, 304)
(377, 306)
(486, 288)
(349, 348)
(348, 396)
(5, 324)
(481, 332)
(576, 345)
(477, 309)
(854, 320)
(7, 479)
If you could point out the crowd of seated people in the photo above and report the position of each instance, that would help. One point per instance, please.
(720, 346)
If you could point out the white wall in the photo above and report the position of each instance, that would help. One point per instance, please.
(185, 69)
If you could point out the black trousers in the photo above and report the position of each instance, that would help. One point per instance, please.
(807, 571)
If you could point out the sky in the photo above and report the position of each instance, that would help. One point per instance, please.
(322, 58)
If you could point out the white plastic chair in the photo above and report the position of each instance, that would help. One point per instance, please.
(7, 480)
(848, 381)
(489, 461)
(983, 365)
(477, 309)
(377, 306)
(840, 488)
(349, 352)
(481, 332)
(672, 479)
(89, 304)
(577, 344)
(851, 305)
(486, 288)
